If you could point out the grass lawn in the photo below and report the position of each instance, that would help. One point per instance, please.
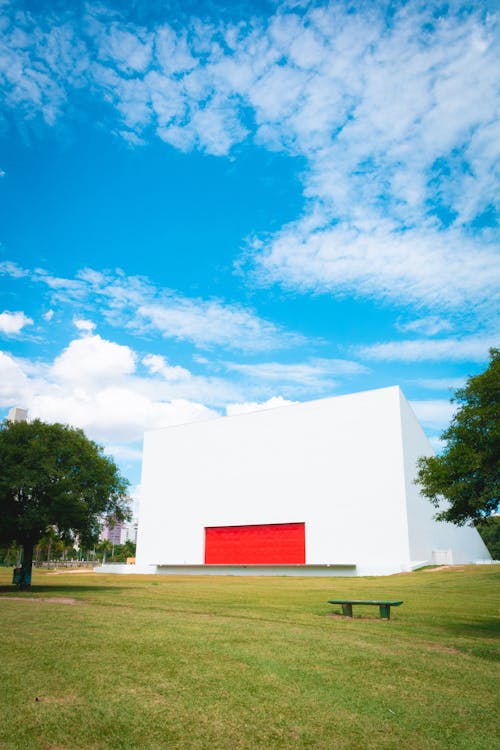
(143, 662)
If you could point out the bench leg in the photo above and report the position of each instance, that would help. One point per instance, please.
(385, 611)
(347, 610)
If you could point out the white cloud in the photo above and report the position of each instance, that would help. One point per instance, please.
(48, 315)
(381, 119)
(92, 384)
(158, 365)
(127, 453)
(250, 406)
(38, 59)
(84, 325)
(13, 382)
(436, 414)
(440, 384)
(428, 326)
(437, 443)
(315, 373)
(92, 358)
(12, 323)
(7, 268)
(129, 51)
(172, 51)
(440, 270)
(116, 413)
(469, 349)
(212, 323)
(395, 121)
(134, 302)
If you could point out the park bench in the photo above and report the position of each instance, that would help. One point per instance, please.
(384, 605)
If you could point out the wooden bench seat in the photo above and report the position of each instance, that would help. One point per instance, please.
(383, 604)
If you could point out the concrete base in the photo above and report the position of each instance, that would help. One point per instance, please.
(123, 568)
(346, 569)
(333, 570)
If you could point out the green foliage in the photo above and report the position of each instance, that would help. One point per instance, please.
(489, 528)
(467, 474)
(54, 477)
(10, 554)
(122, 551)
(109, 552)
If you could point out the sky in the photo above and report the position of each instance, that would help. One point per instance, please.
(209, 208)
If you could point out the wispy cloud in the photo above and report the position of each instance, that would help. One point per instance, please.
(436, 414)
(470, 349)
(209, 324)
(136, 303)
(250, 406)
(440, 384)
(427, 326)
(394, 114)
(7, 268)
(318, 374)
(441, 270)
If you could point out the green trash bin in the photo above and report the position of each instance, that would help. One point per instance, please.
(20, 580)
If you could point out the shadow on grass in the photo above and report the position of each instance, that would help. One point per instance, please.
(487, 628)
(59, 589)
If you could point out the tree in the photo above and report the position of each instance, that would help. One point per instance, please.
(489, 528)
(467, 474)
(53, 476)
(123, 551)
(104, 548)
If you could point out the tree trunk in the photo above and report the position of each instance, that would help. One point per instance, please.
(26, 566)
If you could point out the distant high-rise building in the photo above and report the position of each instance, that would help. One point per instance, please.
(113, 531)
(16, 414)
(130, 532)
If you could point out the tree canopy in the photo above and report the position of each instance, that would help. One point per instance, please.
(489, 528)
(52, 475)
(467, 473)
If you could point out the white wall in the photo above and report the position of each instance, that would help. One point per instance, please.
(431, 540)
(335, 464)
(344, 466)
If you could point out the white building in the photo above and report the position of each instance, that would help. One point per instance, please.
(16, 414)
(323, 488)
(119, 532)
(129, 532)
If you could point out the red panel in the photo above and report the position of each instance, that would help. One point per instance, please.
(265, 544)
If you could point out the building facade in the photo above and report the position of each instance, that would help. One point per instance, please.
(324, 487)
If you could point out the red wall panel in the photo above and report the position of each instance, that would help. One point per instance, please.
(266, 544)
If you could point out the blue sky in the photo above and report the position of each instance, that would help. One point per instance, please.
(207, 210)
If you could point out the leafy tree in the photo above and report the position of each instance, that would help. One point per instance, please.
(489, 528)
(115, 552)
(53, 476)
(104, 548)
(467, 474)
(129, 548)
(9, 554)
(122, 551)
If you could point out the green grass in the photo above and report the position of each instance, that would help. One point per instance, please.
(210, 663)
